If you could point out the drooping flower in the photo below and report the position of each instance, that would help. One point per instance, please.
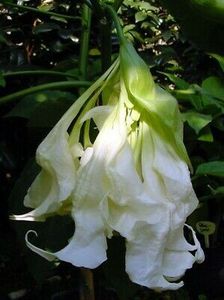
(58, 156)
(133, 179)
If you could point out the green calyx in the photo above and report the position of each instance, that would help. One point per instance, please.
(156, 107)
(137, 77)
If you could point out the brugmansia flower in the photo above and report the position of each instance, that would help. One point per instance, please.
(132, 179)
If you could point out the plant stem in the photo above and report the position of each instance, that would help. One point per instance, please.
(84, 47)
(116, 21)
(88, 290)
(38, 72)
(47, 86)
(39, 11)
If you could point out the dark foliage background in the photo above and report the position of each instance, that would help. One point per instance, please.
(40, 61)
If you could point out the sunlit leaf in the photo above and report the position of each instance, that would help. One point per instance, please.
(140, 16)
(206, 135)
(128, 27)
(179, 82)
(146, 6)
(196, 120)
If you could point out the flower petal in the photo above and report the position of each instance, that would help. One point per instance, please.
(144, 256)
(55, 155)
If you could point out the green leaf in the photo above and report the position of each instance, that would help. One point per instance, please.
(140, 16)
(45, 7)
(213, 86)
(209, 104)
(146, 25)
(220, 60)
(196, 120)
(129, 27)
(213, 168)
(146, 6)
(137, 36)
(59, 19)
(206, 135)
(179, 82)
(167, 35)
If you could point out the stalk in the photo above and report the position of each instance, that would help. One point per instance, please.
(38, 72)
(39, 11)
(111, 11)
(84, 47)
(87, 292)
(47, 86)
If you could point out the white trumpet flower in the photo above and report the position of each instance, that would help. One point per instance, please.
(133, 179)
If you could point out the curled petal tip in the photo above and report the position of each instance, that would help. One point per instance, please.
(45, 254)
(27, 217)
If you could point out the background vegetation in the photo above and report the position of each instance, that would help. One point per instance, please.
(50, 51)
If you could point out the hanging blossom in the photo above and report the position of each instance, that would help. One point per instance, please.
(133, 179)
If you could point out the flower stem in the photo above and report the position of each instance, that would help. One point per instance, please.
(87, 292)
(39, 11)
(47, 86)
(84, 47)
(111, 11)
